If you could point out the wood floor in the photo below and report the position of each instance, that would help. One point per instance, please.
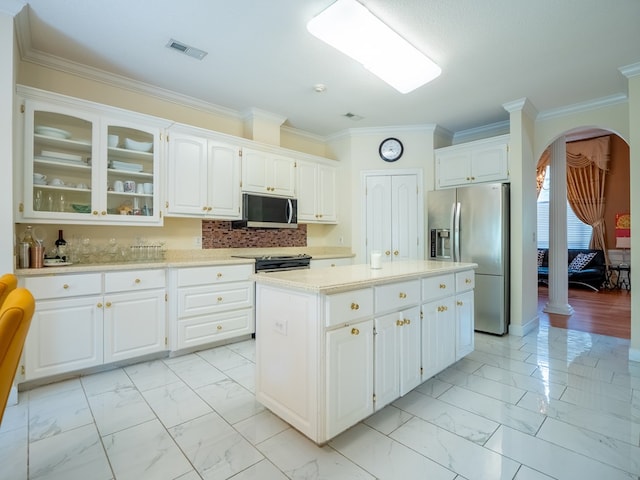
(607, 312)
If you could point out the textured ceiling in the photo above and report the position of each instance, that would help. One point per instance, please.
(261, 56)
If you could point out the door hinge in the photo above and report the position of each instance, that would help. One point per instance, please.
(166, 297)
(166, 340)
(166, 204)
(421, 370)
(421, 315)
(295, 164)
(22, 109)
(21, 207)
(22, 370)
(240, 153)
(375, 332)
(374, 398)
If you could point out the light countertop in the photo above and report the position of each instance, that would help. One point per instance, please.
(350, 277)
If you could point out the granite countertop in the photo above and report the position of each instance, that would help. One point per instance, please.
(183, 258)
(350, 277)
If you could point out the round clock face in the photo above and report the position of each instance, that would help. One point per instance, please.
(390, 149)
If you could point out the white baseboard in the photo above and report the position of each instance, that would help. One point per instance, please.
(634, 354)
(524, 329)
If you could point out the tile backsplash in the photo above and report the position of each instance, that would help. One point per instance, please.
(219, 234)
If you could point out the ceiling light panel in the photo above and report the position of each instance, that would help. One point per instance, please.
(349, 27)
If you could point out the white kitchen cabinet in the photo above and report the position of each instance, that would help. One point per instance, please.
(438, 336)
(78, 323)
(481, 161)
(330, 262)
(268, 173)
(134, 314)
(393, 217)
(203, 177)
(212, 303)
(465, 282)
(316, 192)
(349, 375)
(76, 151)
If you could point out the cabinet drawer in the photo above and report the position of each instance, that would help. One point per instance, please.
(348, 306)
(214, 298)
(212, 328)
(133, 280)
(216, 274)
(397, 296)
(438, 287)
(64, 286)
(465, 281)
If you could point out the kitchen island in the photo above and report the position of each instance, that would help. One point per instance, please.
(334, 345)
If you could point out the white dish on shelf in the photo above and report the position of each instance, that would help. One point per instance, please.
(52, 132)
(130, 144)
(66, 156)
(54, 262)
(62, 160)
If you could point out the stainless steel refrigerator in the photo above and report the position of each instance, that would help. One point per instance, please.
(471, 224)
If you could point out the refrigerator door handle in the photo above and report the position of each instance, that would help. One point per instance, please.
(455, 219)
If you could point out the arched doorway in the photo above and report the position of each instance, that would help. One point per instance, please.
(607, 311)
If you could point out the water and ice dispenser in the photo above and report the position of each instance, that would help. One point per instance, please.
(440, 243)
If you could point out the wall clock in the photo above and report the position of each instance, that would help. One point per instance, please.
(390, 149)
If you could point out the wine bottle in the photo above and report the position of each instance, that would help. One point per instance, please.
(61, 247)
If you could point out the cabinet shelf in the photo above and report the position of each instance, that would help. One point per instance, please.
(129, 173)
(124, 154)
(61, 165)
(61, 188)
(67, 144)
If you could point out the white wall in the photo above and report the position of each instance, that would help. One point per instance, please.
(7, 81)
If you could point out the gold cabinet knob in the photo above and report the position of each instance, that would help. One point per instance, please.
(65, 286)
(204, 208)
(219, 275)
(403, 295)
(95, 212)
(396, 253)
(399, 323)
(407, 321)
(108, 304)
(209, 209)
(99, 305)
(103, 212)
(467, 281)
(355, 306)
(459, 303)
(355, 331)
(387, 253)
(219, 299)
(137, 280)
(443, 285)
(219, 327)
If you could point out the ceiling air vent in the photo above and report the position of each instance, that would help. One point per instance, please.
(186, 49)
(352, 116)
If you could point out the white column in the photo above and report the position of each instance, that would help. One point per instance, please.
(558, 258)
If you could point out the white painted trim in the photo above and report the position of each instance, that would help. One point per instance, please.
(524, 329)
(562, 309)
(634, 354)
(491, 130)
(630, 70)
(583, 107)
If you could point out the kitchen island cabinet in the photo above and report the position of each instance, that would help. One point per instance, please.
(335, 344)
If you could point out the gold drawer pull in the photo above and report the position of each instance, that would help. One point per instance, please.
(442, 308)
(443, 285)
(355, 331)
(459, 303)
(467, 280)
(219, 327)
(355, 306)
(137, 280)
(403, 295)
(65, 286)
(407, 321)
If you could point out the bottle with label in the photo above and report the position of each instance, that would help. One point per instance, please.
(26, 245)
(61, 247)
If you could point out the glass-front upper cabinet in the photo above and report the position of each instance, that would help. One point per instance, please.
(81, 166)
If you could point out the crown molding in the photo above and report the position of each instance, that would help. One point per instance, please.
(632, 70)
(484, 131)
(584, 106)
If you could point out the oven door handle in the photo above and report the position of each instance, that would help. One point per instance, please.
(289, 210)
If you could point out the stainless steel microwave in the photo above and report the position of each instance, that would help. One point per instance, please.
(268, 212)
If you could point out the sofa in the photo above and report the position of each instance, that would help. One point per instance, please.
(586, 267)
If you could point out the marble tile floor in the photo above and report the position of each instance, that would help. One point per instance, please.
(555, 404)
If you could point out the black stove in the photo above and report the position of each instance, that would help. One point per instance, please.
(278, 262)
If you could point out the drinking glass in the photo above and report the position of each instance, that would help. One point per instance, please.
(37, 200)
(62, 203)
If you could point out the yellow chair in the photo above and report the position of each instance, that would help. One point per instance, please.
(8, 283)
(15, 318)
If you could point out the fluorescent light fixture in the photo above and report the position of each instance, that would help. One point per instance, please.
(349, 27)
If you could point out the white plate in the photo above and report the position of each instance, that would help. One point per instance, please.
(52, 132)
(55, 263)
(66, 156)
